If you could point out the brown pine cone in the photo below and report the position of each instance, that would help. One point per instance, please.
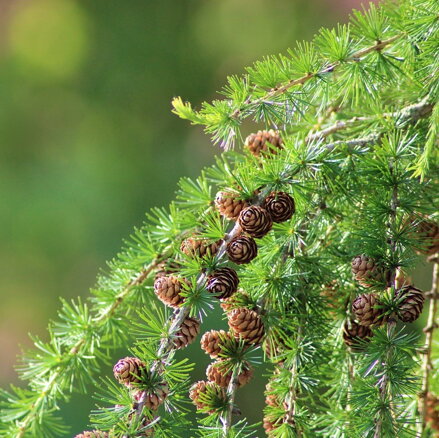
(92, 434)
(239, 299)
(201, 387)
(280, 206)
(242, 249)
(229, 205)
(223, 282)
(255, 221)
(352, 331)
(411, 302)
(428, 233)
(128, 370)
(199, 247)
(432, 411)
(367, 313)
(216, 372)
(269, 423)
(187, 333)
(152, 399)
(271, 399)
(212, 340)
(168, 290)
(166, 267)
(247, 325)
(263, 142)
(368, 272)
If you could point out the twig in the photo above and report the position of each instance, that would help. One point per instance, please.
(231, 392)
(426, 363)
(280, 89)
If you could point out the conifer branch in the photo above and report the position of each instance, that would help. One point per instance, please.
(231, 393)
(427, 366)
(283, 88)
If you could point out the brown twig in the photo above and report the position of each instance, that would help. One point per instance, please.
(426, 362)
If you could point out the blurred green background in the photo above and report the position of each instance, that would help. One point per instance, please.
(88, 142)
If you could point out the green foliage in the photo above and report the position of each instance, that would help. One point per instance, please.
(357, 114)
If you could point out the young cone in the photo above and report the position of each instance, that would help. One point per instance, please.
(280, 206)
(428, 233)
(216, 372)
(353, 331)
(241, 250)
(187, 333)
(92, 434)
(229, 205)
(199, 247)
(263, 142)
(247, 325)
(202, 387)
(223, 282)
(255, 221)
(367, 313)
(411, 303)
(432, 411)
(128, 370)
(168, 290)
(239, 299)
(211, 342)
(367, 271)
(152, 398)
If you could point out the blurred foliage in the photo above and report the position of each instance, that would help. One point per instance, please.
(87, 139)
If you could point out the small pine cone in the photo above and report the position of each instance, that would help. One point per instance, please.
(366, 311)
(411, 302)
(216, 372)
(432, 411)
(367, 271)
(166, 268)
(263, 142)
(152, 399)
(271, 399)
(128, 370)
(189, 330)
(242, 249)
(280, 206)
(223, 282)
(199, 247)
(168, 290)
(239, 299)
(211, 342)
(92, 434)
(269, 423)
(201, 387)
(352, 331)
(229, 205)
(246, 324)
(255, 221)
(428, 232)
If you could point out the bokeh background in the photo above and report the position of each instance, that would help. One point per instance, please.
(88, 142)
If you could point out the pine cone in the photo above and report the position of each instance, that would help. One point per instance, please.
(242, 249)
(152, 399)
(367, 313)
(271, 399)
(255, 221)
(187, 333)
(432, 411)
(168, 290)
(223, 282)
(199, 247)
(263, 142)
(229, 205)
(211, 342)
(202, 387)
(411, 302)
(368, 272)
(92, 434)
(128, 370)
(239, 299)
(428, 233)
(280, 206)
(246, 324)
(166, 267)
(217, 373)
(352, 331)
